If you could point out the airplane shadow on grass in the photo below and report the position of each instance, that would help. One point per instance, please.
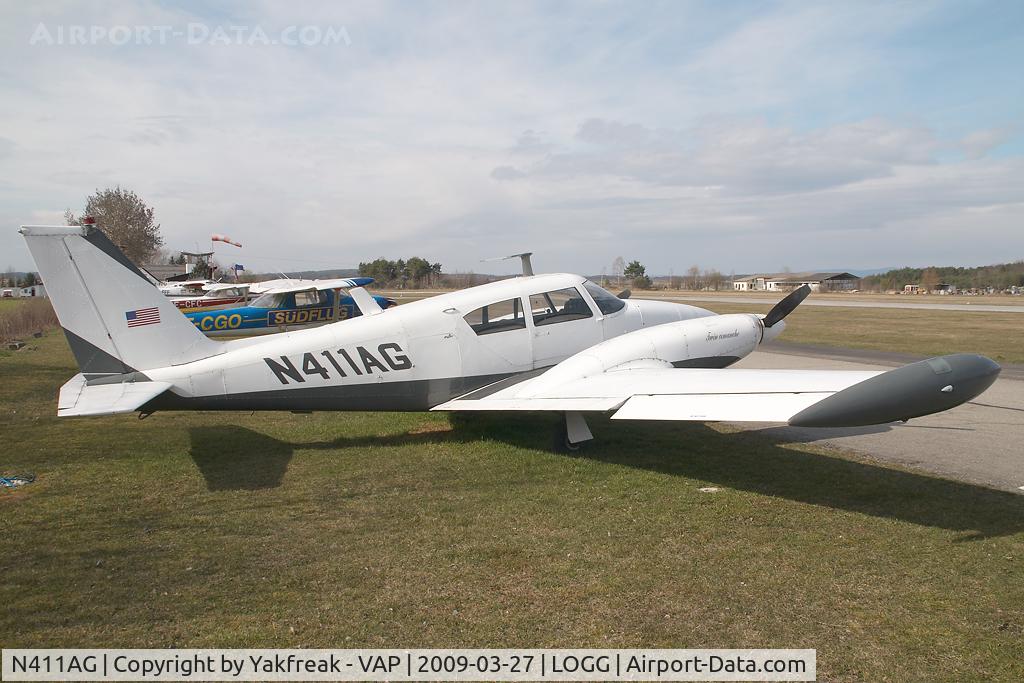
(766, 462)
(236, 458)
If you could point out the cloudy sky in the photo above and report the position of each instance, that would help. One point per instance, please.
(743, 136)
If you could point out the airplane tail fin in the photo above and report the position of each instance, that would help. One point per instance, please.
(115, 320)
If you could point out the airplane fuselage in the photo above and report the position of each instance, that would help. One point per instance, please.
(417, 355)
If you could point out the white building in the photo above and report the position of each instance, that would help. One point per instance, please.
(35, 290)
(783, 282)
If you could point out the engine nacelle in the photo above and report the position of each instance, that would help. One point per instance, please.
(712, 342)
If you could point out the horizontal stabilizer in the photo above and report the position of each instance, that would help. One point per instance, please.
(79, 398)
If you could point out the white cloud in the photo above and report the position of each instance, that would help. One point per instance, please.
(980, 142)
(737, 158)
(671, 134)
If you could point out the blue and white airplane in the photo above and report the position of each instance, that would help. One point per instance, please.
(285, 305)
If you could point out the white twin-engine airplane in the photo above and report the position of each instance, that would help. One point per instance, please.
(534, 343)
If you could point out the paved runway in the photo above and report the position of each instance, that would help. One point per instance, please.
(812, 301)
(981, 442)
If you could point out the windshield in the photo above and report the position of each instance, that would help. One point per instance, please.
(268, 300)
(605, 300)
(226, 291)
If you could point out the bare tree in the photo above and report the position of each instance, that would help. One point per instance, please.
(126, 220)
(693, 277)
(929, 279)
(618, 268)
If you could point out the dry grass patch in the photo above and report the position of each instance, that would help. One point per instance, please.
(22, 318)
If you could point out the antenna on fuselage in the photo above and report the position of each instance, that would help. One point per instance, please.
(527, 266)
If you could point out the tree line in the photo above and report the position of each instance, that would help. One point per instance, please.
(413, 273)
(635, 274)
(1000, 277)
(11, 279)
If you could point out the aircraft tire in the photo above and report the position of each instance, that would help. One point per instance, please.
(562, 445)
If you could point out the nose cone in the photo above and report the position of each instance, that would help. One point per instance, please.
(921, 388)
(984, 367)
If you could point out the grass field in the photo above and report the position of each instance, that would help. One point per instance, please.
(414, 530)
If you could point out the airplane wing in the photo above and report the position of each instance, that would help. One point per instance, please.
(812, 398)
(219, 286)
(285, 286)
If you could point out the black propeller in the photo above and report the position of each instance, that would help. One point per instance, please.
(787, 305)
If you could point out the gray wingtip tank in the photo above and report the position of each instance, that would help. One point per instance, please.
(921, 388)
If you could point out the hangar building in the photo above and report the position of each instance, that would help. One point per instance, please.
(782, 282)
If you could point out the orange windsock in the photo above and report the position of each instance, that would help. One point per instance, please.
(225, 239)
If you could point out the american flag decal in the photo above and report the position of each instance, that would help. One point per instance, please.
(143, 316)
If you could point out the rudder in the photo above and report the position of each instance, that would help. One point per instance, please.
(115, 320)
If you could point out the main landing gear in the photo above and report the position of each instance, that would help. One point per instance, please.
(572, 431)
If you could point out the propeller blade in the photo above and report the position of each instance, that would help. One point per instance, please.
(787, 305)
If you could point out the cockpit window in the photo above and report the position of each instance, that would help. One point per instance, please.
(606, 301)
(558, 306)
(500, 316)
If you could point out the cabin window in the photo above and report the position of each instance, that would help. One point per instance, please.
(500, 316)
(310, 298)
(558, 306)
(606, 302)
